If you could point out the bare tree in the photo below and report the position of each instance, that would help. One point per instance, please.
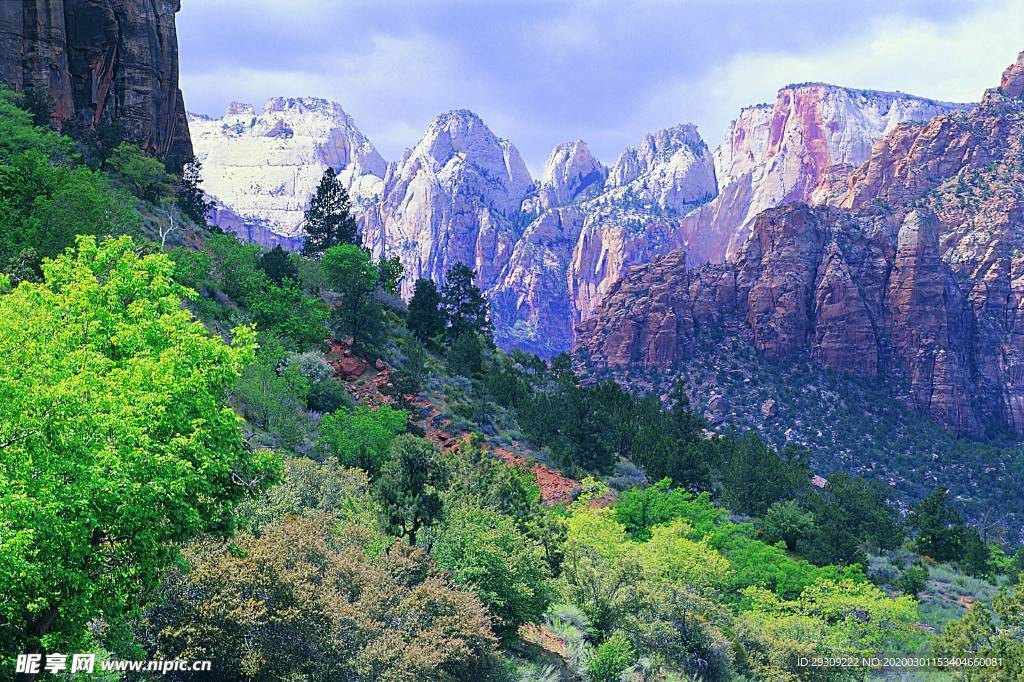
(171, 227)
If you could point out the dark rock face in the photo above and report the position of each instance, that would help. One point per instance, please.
(915, 275)
(101, 60)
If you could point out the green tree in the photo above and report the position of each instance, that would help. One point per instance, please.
(755, 476)
(329, 220)
(39, 102)
(465, 308)
(390, 273)
(361, 437)
(425, 318)
(145, 176)
(348, 270)
(407, 381)
(115, 440)
(466, 355)
(409, 486)
(988, 631)
(939, 527)
(273, 394)
(278, 265)
(487, 552)
(191, 197)
(610, 659)
(913, 579)
(787, 522)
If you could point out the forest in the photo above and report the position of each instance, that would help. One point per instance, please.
(270, 460)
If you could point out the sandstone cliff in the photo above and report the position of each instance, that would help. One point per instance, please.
(916, 276)
(101, 60)
(264, 166)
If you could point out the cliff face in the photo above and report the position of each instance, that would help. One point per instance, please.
(915, 276)
(781, 153)
(264, 166)
(101, 60)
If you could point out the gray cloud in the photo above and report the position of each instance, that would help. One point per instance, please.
(543, 72)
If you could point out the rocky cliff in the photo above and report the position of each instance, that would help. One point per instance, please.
(916, 276)
(101, 60)
(264, 166)
(772, 155)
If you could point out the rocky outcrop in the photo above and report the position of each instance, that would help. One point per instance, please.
(915, 275)
(264, 166)
(455, 197)
(782, 153)
(1012, 84)
(101, 61)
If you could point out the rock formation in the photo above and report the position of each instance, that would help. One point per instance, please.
(264, 166)
(101, 61)
(772, 155)
(914, 275)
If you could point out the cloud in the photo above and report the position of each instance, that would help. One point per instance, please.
(540, 73)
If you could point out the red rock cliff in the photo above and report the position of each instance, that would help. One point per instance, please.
(101, 60)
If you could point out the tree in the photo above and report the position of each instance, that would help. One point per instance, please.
(787, 522)
(329, 219)
(301, 603)
(407, 381)
(348, 270)
(755, 475)
(466, 355)
(488, 553)
(273, 395)
(988, 631)
(145, 176)
(361, 437)
(39, 103)
(939, 527)
(191, 197)
(115, 439)
(425, 317)
(465, 307)
(391, 271)
(610, 659)
(278, 265)
(408, 487)
(912, 580)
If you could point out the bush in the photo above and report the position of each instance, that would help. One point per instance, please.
(610, 659)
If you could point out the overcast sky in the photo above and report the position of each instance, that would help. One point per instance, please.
(540, 73)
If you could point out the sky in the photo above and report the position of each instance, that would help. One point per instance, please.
(544, 72)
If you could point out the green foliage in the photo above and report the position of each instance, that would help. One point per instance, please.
(913, 579)
(409, 486)
(348, 270)
(18, 133)
(145, 176)
(465, 308)
(300, 603)
(939, 527)
(425, 317)
(755, 476)
(39, 103)
(390, 273)
(788, 523)
(989, 631)
(273, 394)
(115, 441)
(361, 437)
(610, 659)
(278, 266)
(191, 198)
(466, 355)
(407, 381)
(486, 551)
(329, 220)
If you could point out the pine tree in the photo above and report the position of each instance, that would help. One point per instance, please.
(425, 317)
(191, 198)
(278, 265)
(329, 220)
(464, 305)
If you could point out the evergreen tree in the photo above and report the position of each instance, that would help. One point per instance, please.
(329, 220)
(191, 197)
(464, 305)
(425, 318)
(408, 487)
(278, 265)
(939, 527)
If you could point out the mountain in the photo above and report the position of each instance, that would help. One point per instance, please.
(264, 166)
(914, 275)
(547, 252)
(772, 155)
(456, 196)
(101, 61)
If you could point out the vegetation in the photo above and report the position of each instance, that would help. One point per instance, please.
(183, 475)
(329, 220)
